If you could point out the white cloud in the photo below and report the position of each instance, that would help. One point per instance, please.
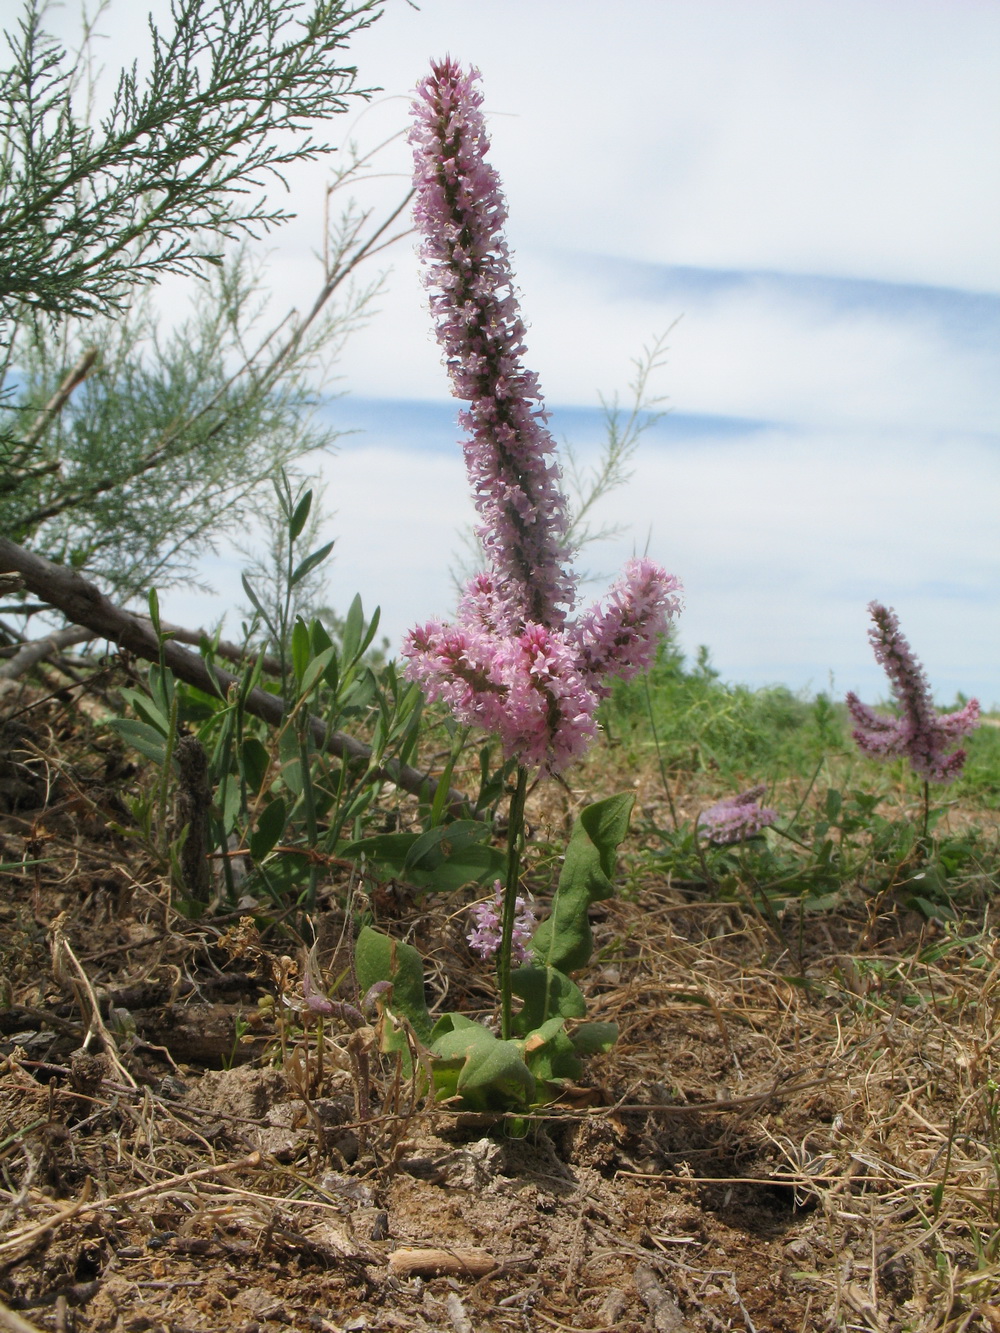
(852, 138)
(780, 537)
(754, 349)
(855, 137)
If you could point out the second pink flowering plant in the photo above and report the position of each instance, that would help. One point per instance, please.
(520, 660)
(927, 738)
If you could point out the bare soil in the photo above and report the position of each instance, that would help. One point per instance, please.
(799, 1128)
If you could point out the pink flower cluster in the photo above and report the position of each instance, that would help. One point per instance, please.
(920, 732)
(737, 817)
(486, 930)
(514, 662)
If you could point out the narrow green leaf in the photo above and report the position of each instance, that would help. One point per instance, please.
(258, 606)
(254, 599)
(298, 520)
(290, 758)
(319, 638)
(477, 864)
(148, 740)
(300, 649)
(353, 627)
(834, 802)
(316, 668)
(162, 687)
(232, 806)
(147, 709)
(270, 827)
(307, 565)
(369, 634)
(254, 763)
(437, 844)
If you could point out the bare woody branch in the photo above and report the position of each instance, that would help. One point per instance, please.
(85, 605)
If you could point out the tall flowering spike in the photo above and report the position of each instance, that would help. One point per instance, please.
(510, 454)
(920, 732)
(514, 664)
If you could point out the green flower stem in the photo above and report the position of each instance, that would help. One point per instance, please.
(515, 838)
(927, 808)
(164, 784)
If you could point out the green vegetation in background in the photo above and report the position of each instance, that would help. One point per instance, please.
(701, 724)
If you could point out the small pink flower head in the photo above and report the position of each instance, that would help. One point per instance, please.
(920, 732)
(526, 687)
(737, 818)
(550, 707)
(486, 932)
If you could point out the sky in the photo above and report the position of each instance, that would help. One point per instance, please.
(806, 193)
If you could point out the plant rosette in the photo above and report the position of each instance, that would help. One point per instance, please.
(469, 1065)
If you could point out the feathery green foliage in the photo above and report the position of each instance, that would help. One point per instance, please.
(88, 212)
(128, 449)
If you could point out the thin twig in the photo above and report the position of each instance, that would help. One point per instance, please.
(81, 1207)
(12, 1322)
(63, 953)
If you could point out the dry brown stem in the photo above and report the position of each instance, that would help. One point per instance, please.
(441, 1263)
(11, 1322)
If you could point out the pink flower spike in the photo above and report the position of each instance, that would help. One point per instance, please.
(515, 664)
(920, 732)
(737, 818)
(510, 454)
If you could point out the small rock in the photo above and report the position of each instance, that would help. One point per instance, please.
(261, 1304)
(460, 1321)
(354, 1193)
(612, 1307)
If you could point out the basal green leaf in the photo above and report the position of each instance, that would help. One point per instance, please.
(379, 958)
(564, 940)
(593, 1038)
(492, 1075)
(549, 1053)
(270, 827)
(546, 994)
